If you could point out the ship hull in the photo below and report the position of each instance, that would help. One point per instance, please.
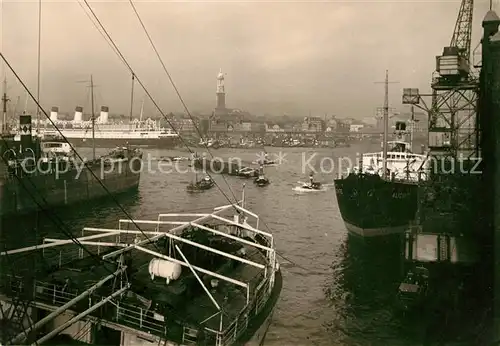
(256, 333)
(371, 206)
(25, 194)
(159, 143)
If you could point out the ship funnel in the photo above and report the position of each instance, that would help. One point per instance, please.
(103, 118)
(53, 113)
(78, 115)
(25, 130)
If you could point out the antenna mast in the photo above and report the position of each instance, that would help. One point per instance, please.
(93, 115)
(132, 101)
(385, 123)
(38, 72)
(5, 99)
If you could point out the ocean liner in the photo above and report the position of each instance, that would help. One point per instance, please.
(35, 173)
(379, 197)
(183, 279)
(108, 135)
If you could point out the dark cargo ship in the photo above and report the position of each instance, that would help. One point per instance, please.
(380, 197)
(32, 175)
(372, 206)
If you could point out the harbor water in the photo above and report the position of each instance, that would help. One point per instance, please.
(337, 290)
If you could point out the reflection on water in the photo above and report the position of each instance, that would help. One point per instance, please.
(363, 295)
(365, 281)
(30, 229)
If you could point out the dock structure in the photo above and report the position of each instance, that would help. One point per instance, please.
(458, 220)
(490, 116)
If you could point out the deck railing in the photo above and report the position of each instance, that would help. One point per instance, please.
(56, 295)
(240, 324)
(136, 316)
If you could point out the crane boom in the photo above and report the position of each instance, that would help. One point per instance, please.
(462, 34)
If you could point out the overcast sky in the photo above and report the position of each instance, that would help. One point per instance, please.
(280, 57)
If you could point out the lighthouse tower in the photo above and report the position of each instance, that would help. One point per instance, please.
(221, 93)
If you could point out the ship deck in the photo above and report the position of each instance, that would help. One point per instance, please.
(216, 295)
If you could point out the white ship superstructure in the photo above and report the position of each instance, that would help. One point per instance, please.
(137, 132)
(402, 164)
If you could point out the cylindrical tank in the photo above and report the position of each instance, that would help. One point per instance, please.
(164, 269)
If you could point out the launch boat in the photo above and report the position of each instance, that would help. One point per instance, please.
(210, 279)
(34, 173)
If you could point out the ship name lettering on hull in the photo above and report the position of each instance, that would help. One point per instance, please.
(400, 195)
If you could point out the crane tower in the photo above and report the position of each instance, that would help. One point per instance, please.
(453, 133)
(452, 108)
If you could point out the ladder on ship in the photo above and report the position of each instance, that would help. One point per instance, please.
(189, 336)
(16, 315)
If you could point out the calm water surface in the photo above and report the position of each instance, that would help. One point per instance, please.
(336, 291)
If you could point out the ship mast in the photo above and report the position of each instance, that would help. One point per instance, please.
(386, 125)
(412, 127)
(93, 115)
(5, 99)
(25, 110)
(142, 110)
(132, 102)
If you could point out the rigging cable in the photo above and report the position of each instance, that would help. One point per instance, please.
(113, 197)
(152, 99)
(99, 30)
(176, 90)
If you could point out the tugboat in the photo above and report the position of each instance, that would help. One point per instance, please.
(261, 180)
(201, 185)
(312, 185)
(414, 288)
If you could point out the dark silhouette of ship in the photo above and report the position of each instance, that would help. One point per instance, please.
(36, 174)
(373, 206)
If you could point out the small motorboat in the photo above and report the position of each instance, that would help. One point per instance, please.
(173, 158)
(312, 186)
(201, 185)
(247, 172)
(414, 288)
(261, 180)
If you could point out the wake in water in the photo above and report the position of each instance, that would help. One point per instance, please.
(304, 187)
